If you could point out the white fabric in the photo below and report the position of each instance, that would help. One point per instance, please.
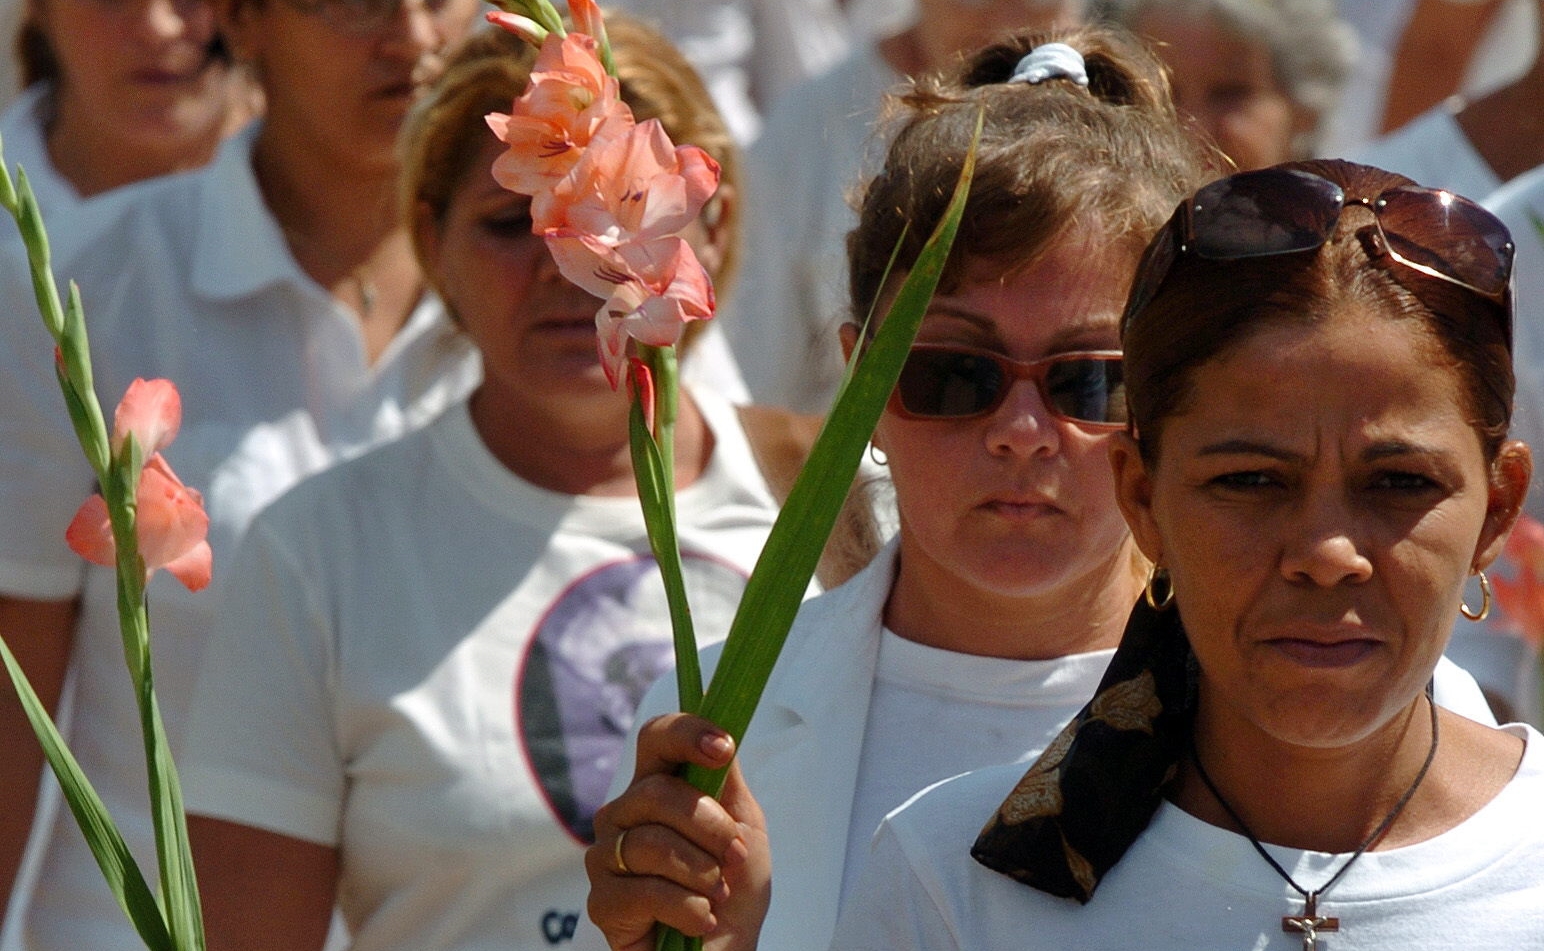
(937, 713)
(191, 281)
(444, 660)
(1433, 150)
(750, 51)
(1186, 884)
(808, 734)
(818, 146)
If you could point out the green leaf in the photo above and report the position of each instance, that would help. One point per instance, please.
(788, 561)
(111, 852)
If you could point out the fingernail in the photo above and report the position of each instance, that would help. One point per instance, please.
(717, 745)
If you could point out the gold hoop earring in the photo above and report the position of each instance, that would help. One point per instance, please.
(1484, 611)
(1153, 600)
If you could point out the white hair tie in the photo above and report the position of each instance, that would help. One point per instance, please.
(1050, 61)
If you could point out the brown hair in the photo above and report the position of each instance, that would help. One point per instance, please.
(1205, 307)
(446, 133)
(1054, 156)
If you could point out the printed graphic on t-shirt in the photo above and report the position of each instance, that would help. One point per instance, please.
(596, 651)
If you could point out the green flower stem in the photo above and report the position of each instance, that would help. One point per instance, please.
(654, 470)
(172, 920)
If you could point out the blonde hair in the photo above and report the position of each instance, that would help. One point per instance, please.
(446, 133)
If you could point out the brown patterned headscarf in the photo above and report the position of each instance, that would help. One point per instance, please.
(1095, 788)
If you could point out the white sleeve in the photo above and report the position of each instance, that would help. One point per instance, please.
(262, 749)
(889, 907)
(44, 477)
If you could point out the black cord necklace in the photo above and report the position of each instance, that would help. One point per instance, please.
(1309, 924)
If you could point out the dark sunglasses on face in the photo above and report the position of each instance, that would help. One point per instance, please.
(949, 382)
(1284, 211)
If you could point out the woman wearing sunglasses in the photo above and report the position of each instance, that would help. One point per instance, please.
(1318, 364)
(977, 635)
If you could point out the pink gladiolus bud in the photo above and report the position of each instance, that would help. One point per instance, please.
(152, 411)
(524, 27)
(171, 527)
(586, 17)
(640, 386)
(570, 104)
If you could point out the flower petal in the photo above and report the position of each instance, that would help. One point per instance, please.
(152, 411)
(586, 17)
(90, 534)
(171, 521)
(195, 568)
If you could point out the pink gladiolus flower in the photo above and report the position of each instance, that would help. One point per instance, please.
(570, 104)
(171, 524)
(631, 187)
(659, 287)
(1521, 598)
(524, 27)
(152, 411)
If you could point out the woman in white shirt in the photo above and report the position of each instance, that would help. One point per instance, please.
(1320, 381)
(436, 739)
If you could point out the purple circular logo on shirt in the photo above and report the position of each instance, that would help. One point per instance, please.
(595, 652)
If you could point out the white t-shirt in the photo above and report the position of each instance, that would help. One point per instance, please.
(192, 281)
(937, 713)
(431, 664)
(818, 146)
(1186, 884)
